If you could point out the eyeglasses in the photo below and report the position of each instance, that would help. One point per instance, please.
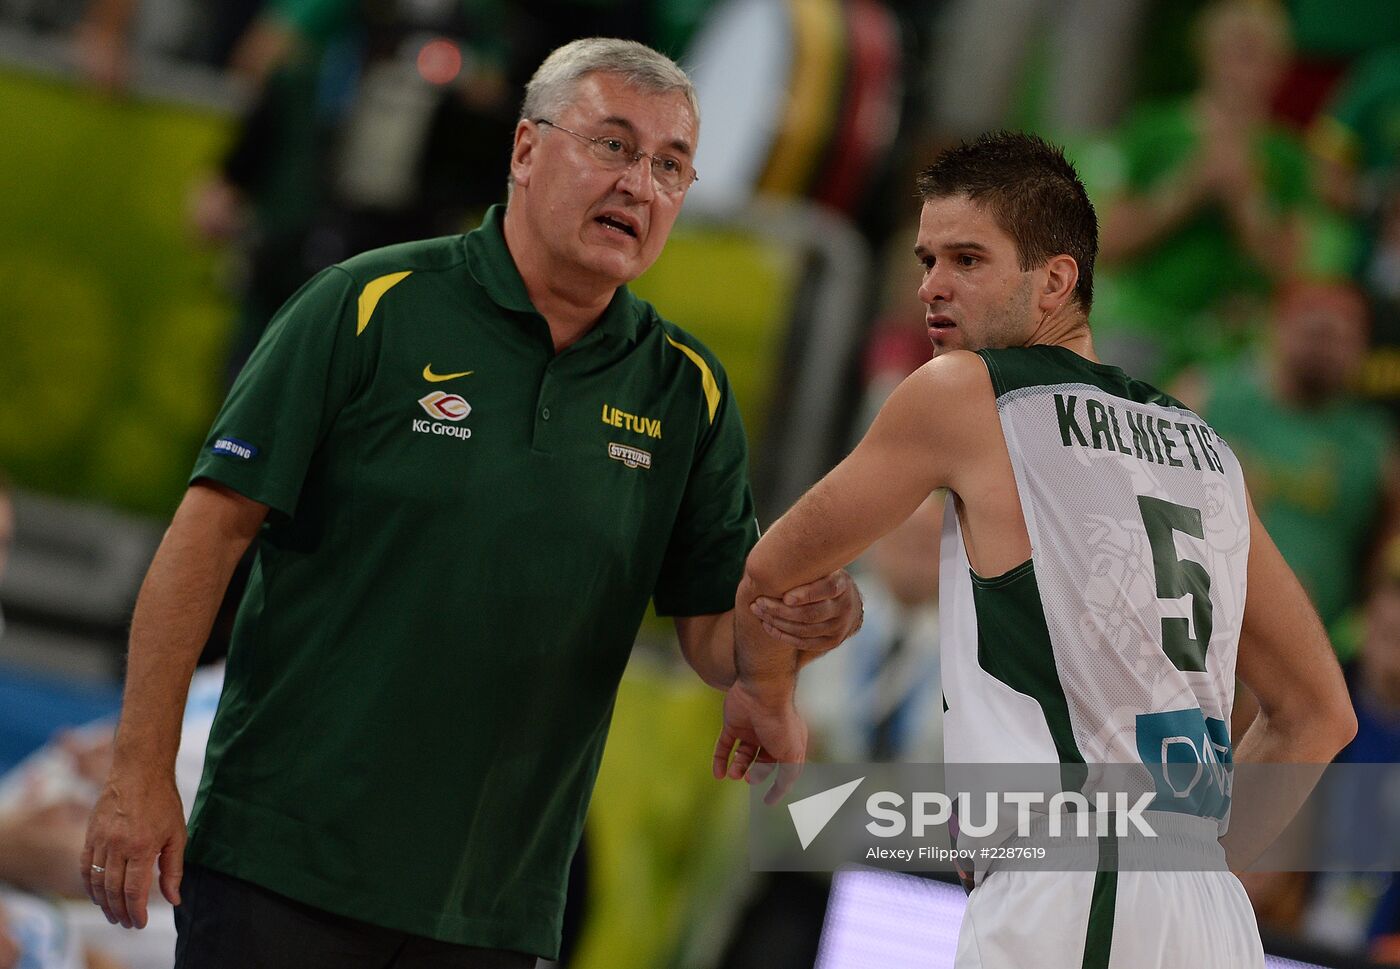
(671, 174)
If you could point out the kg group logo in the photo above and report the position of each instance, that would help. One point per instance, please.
(448, 407)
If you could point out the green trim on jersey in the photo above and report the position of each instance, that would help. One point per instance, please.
(1013, 645)
(466, 528)
(1017, 368)
(1103, 903)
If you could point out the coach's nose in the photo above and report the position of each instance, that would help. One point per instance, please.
(637, 180)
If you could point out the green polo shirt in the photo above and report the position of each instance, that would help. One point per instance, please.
(1169, 299)
(465, 530)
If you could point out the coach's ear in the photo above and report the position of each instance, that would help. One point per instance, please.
(1060, 275)
(522, 155)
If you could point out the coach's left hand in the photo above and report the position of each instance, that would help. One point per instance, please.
(814, 618)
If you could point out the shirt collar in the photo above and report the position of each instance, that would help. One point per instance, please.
(491, 264)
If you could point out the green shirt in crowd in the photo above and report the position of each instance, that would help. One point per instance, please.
(1362, 124)
(1317, 477)
(465, 530)
(1325, 29)
(1174, 293)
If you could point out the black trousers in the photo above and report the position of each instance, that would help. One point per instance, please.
(227, 923)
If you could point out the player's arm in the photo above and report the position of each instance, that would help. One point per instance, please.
(1305, 715)
(911, 449)
(922, 433)
(813, 619)
(907, 453)
(138, 816)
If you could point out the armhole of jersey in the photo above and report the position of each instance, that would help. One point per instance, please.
(994, 374)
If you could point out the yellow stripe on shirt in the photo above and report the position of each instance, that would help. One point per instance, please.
(373, 293)
(707, 379)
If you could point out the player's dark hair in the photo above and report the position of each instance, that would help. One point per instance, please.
(5, 486)
(1032, 191)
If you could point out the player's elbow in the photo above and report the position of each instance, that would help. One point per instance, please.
(1318, 725)
(761, 578)
(1333, 718)
(1342, 721)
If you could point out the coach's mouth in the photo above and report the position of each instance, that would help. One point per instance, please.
(939, 322)
(620, 222)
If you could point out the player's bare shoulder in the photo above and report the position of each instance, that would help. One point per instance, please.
(957, 372)
(955, 393)
(940, 417)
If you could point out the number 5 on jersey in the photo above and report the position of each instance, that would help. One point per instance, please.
(1178, 577)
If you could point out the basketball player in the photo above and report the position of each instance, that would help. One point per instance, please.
(1095, 564)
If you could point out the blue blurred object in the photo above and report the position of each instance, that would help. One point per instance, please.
(38, 925)
(33, 706)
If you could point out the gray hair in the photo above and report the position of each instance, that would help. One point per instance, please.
(551, 90)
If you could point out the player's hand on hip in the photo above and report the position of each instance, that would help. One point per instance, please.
(816, 617)
(760, 738)
(138, 821)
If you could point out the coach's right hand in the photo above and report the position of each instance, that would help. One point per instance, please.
(138, 819)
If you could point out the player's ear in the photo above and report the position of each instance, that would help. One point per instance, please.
(1061, 276)
(522, 155)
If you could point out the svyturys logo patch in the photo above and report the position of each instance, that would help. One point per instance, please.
(631, 456)
(447, 407)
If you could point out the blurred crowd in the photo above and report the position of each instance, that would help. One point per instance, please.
(1244, 156)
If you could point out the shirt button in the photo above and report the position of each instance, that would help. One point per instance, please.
(545, 413)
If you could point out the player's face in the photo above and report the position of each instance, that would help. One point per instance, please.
(605, 222)
(976, 294)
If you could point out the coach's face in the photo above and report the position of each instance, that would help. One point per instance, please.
(589, 217)
(976, 294)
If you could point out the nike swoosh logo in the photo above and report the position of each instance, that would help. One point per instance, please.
(431, 377)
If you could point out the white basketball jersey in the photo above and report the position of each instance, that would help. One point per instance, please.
(1115, 643)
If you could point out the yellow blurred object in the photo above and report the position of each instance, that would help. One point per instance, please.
(113, 325)
(814, 97)
(666, 840)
